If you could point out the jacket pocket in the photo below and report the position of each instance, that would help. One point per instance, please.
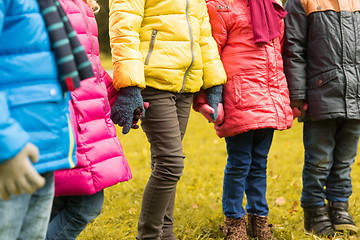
(40, 107)
(24, 95)
(322, 79)
(232, 90)
(43, 112)
(151, 46)
(325, 94)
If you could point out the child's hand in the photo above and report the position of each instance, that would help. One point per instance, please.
(127, 108)
(206, 110)
(138, 113)
(18, 176)
(299, 108)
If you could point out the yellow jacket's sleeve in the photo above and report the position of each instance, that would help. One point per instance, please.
(124, 26)
(214, 73)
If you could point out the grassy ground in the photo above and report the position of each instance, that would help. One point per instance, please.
(106, 61)
(198, 209)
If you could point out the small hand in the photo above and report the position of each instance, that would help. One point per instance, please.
(127, 108)
(299, 108)
(138, 113)
(18, 176)
(206, 110)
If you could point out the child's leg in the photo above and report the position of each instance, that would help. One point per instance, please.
(76, 213)
(26, 216)
(256, 180)
(168, 225)
(255, 188)
(12, 213)
(164, 124)
(237, 168)
(319, 144)
(338, 184)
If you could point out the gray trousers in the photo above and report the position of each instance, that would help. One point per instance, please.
(164, 124)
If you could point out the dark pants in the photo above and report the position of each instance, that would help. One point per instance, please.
(164, 124)
(330, 150)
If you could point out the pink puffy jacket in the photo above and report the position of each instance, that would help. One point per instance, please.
(256, 94)
(101, 161)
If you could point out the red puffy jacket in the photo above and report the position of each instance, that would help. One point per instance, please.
(256, 94)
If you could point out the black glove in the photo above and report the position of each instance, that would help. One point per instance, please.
(128, 108)
(214, 97)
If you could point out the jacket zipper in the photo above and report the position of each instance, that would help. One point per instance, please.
(151, 47)
(192, 46)
(71, 142)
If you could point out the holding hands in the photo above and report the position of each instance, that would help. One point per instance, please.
(128, 108)
(209, 104)
(299, 108)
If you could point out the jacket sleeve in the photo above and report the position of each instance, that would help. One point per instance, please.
(199, 99)
(12, 137)
(2, 16)
(125, 19)
(294, 48)
(214, 73)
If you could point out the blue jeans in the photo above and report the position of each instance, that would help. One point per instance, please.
(330, 150)
(26, 216)
(246, 171)
(71, 214)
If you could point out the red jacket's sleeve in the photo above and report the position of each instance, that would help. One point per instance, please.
(199, 100)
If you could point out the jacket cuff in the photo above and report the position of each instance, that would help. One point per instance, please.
(199, 100)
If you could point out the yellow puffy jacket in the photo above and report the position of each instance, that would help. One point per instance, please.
(164, 44)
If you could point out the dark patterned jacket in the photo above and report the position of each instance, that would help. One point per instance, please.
(322, 56)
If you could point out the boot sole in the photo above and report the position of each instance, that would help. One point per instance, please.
(346, 227)
(312, 234)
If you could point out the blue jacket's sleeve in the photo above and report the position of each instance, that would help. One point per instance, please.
(12, 137)
(2, 15)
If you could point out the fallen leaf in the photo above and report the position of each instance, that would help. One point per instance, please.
(213, 206)
(275, 177)
(280, 201)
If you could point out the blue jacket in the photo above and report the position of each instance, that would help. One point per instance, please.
(32, 106)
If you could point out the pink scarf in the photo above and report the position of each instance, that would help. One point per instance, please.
(265, 17)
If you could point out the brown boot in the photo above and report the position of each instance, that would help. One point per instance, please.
(234, 229)
(258, 227)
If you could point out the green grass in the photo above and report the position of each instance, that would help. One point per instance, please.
(198, 210)
(106, 61)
